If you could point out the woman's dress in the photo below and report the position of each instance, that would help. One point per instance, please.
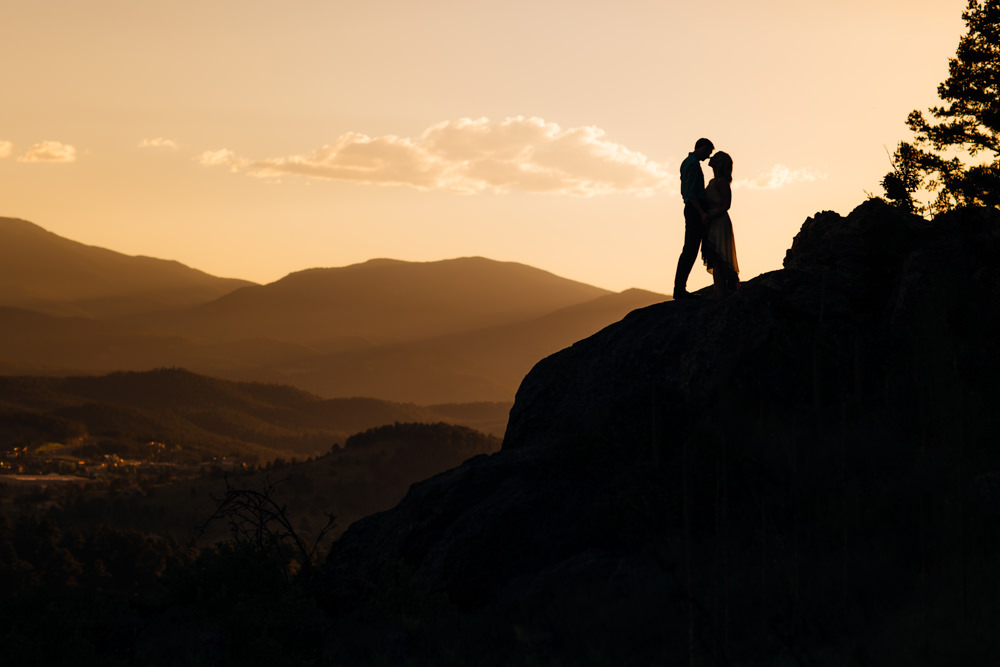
(718, 250)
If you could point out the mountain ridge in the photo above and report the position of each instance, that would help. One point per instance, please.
(381, 300)
(43, 271)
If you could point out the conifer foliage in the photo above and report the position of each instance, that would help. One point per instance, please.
(968, 123)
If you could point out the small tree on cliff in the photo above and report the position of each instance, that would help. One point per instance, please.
(969, 123)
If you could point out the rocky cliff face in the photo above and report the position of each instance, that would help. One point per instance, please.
(800, 471)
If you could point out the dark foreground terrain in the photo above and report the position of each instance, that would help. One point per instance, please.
(806, 472)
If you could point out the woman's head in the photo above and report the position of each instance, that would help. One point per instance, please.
(722, 166)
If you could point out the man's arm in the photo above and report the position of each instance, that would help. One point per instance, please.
(690, 192)
(689, 188)
(697, 204)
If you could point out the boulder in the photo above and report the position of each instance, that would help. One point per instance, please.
(782, 474)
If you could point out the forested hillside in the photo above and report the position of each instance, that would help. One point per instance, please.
(197, 418)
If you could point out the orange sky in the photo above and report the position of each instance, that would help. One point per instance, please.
(250, 139)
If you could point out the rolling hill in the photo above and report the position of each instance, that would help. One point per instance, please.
(481, 365)
(379, 301)
(488, 363)
(50, 274)
(32, 343)
(203, 417)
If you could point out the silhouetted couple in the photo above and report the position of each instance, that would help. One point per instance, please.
(706, 221)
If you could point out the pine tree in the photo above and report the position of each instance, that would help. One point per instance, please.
(968, 123)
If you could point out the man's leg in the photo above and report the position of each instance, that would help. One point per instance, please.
(693, 228)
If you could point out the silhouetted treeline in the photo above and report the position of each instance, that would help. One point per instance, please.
(430, 437)
(121, 597)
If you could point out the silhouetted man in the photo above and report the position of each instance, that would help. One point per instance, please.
(693, 193)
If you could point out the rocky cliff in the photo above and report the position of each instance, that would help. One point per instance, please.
(800, 472)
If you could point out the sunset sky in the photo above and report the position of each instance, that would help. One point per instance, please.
(255, 138)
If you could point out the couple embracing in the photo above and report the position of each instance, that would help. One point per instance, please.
(706, 221)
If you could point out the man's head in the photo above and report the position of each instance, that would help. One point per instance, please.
(703, 148)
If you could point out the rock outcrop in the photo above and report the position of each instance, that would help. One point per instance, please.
(798, 472)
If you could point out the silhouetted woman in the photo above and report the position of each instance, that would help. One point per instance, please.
(719, 247)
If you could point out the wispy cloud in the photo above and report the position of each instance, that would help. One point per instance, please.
(778, 177)
(6, 148)
(49, 151)
(223, 156)
(158, 142)
(473, 155)
(478, 155)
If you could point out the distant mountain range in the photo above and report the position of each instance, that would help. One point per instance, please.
(458, 330)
